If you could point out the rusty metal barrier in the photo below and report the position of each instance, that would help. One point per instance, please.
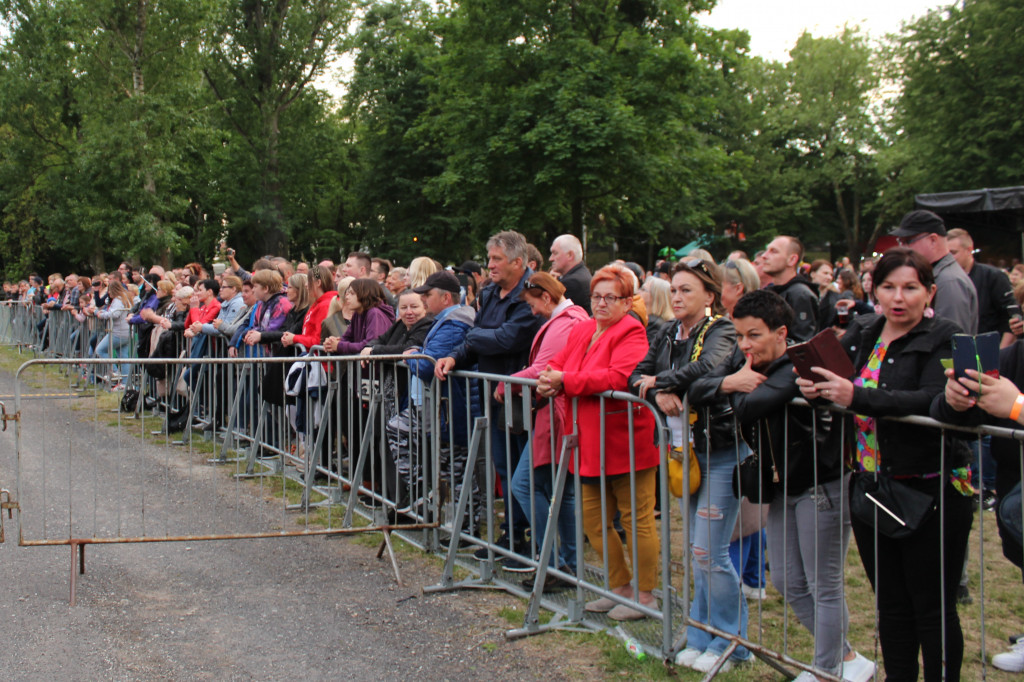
(130, 489)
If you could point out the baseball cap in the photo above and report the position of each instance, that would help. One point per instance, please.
(470, 266)
(920, 222)
(440, 280)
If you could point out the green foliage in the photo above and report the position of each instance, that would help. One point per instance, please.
(963, 90)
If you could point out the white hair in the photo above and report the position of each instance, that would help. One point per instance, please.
(571, 244)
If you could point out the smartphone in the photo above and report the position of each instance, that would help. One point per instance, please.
(980, 353)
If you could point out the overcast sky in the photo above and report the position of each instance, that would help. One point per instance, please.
(775, 26)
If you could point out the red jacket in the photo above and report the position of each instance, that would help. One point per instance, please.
(315, 317)
(606, 367)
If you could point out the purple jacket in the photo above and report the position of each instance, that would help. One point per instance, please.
(365, 327)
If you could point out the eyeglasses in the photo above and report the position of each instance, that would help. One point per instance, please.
(907, 242)
(595, 299)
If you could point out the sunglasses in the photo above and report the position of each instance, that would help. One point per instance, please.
(698, 264)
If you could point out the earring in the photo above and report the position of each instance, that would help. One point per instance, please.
(707, 311)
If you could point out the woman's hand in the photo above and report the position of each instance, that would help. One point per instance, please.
(957, 395)
(549, 383)
(644, 383)
(669, 403)
(832, 387)
(287, 339)
(331, 343)
(744, 380)
(996, 395)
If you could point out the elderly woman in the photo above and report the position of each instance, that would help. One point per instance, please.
(658, 301)
(701, 339)
(546, 297)
(739, 277)
(598, 356)
(897, 355)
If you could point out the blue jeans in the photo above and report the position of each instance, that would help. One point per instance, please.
(520, 522)
(110, 343)
(747, 559)
(717, 599)
(537, 512)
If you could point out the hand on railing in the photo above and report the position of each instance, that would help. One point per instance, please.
(443, 367)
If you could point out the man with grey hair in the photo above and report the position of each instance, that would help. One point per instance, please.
(499, 343)
(567, 261)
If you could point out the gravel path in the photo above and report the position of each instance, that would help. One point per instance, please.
(307, 608)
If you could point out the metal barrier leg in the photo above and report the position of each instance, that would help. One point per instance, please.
(366, 442)
(480, 427)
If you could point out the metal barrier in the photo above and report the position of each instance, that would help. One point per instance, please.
(363, 438)
(128, 490)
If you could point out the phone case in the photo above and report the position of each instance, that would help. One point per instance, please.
(822, 350)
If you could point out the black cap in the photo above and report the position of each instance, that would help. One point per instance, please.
(920, 222)
(443, 280)
(470, 266)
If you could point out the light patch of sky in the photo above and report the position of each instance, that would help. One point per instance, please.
(775, 26)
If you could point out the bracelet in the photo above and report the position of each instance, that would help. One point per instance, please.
(1018, 404)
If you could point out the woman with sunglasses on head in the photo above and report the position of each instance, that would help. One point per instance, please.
(598, 356)
(915, 573)
(700, 339)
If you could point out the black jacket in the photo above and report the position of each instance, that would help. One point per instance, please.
(910, 378)
(669, 360)
(783, 437)
(800, 294)
(397, 339)
(577, 286)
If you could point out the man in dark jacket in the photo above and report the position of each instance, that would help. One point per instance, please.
(500, 344)
(567, 260)
(780, 261)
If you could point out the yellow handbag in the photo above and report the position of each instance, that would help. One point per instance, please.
(675, 471)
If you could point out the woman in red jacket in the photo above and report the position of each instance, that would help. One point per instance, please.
(599, 356)
(321, 292)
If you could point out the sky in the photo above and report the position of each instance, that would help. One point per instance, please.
(775, 26)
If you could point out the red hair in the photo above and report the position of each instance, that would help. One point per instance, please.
(620, 277)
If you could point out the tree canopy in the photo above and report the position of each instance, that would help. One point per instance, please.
(150, 129)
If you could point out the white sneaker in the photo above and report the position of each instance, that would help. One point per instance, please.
(860, 669)
(805, 677)
(755, 593)
(707, 660)
(687, 656)
(1012, 660)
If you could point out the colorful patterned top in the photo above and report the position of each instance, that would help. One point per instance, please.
(867, 437)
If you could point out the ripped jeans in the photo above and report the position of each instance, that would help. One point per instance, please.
(717, 599)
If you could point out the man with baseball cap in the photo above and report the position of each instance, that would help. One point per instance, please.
(452, 320)
(955, 296)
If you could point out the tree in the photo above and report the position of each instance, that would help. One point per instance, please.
(263, 56)
(958, 113)
(552, 116)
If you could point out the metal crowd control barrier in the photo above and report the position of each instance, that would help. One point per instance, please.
(372, 442)
(123, 489)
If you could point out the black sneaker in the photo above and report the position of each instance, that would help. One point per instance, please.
(963, 595)
(503, 541)
(989, 501)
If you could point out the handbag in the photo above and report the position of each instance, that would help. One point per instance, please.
(895, 509)
(675, 471)
(750, 479)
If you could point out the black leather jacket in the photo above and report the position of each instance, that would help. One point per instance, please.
(909, 379)
(669, 360)
(783, 436)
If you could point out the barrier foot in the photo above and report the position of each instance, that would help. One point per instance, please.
(386, 544)
(77, 562)
(560, 623)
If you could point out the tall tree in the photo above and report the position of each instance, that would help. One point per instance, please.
(263, 56)
(962, 94)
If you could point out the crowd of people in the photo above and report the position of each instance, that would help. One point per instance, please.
(706, 344)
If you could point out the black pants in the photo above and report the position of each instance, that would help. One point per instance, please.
(909, 586)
